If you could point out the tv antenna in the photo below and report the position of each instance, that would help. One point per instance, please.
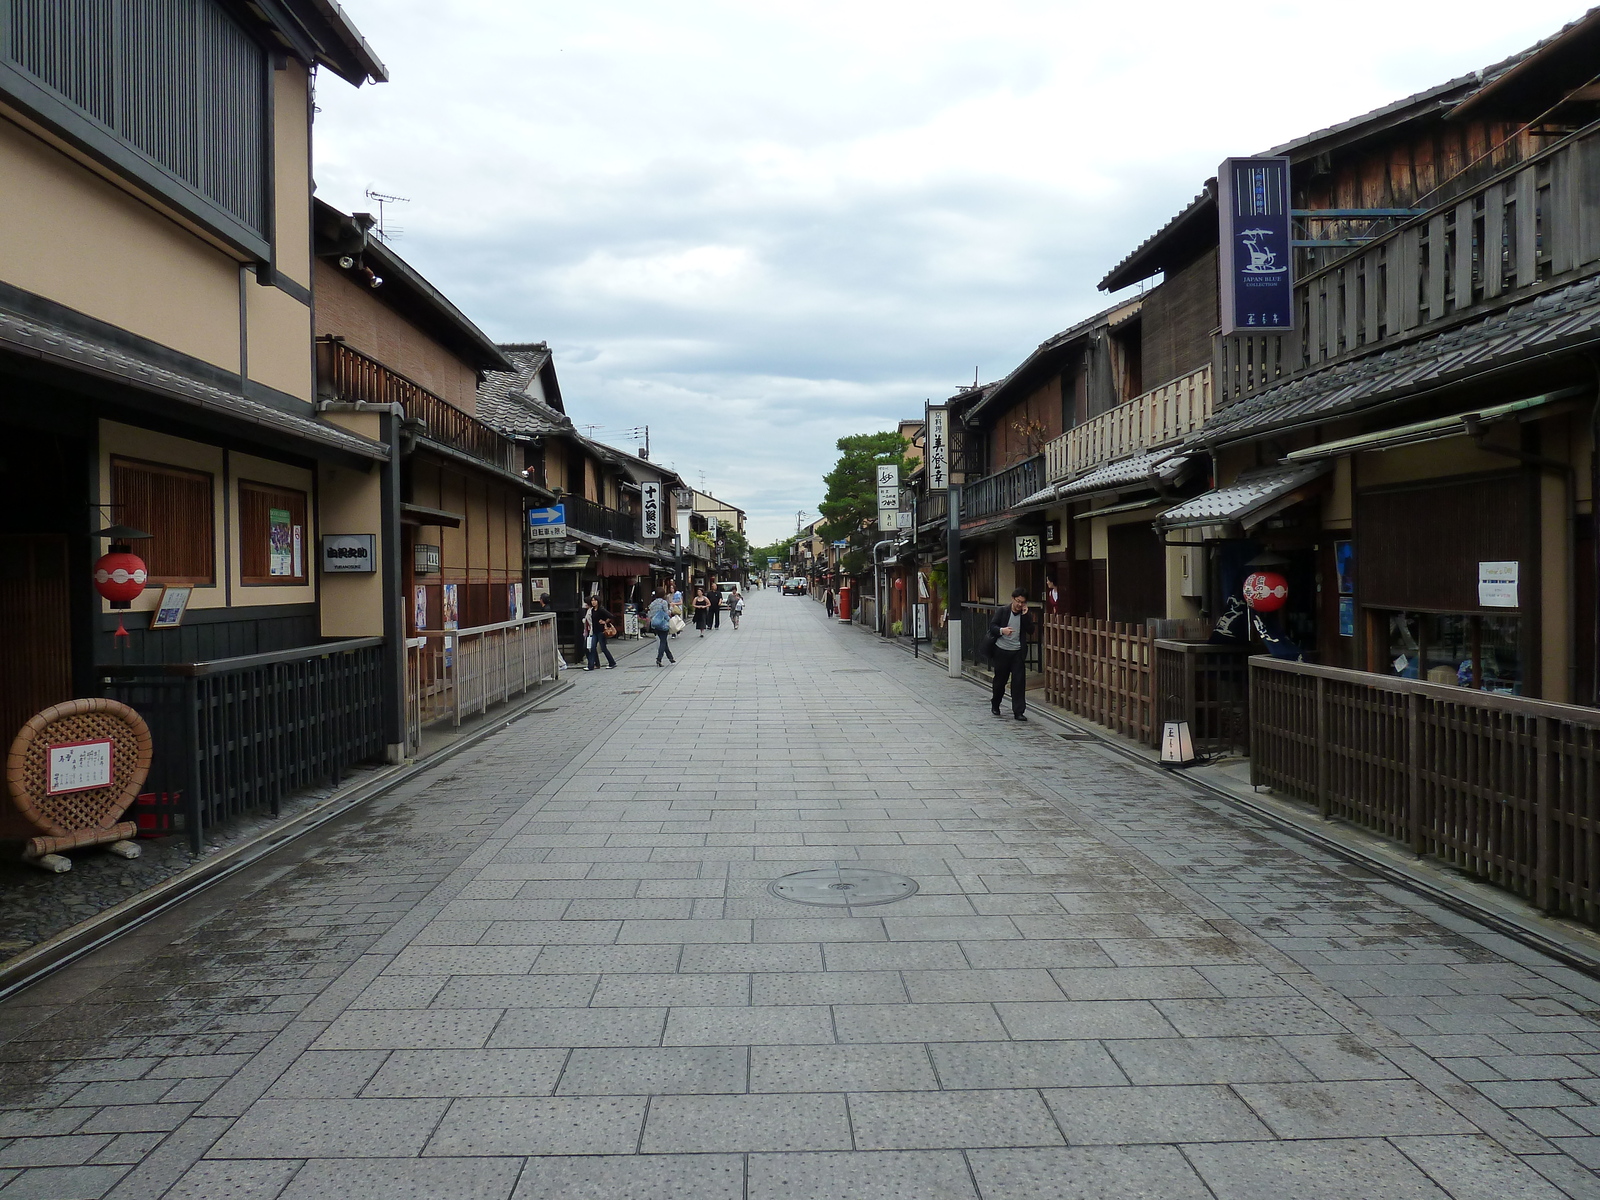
(382, 199)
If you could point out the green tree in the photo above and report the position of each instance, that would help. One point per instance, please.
(778, 550)
(851, 505)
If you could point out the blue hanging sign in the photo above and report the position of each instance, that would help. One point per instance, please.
(1256, 265)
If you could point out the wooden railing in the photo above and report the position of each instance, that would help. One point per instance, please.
(1160, 417)
(933, 508)
(358, 379)
(453, 673)
(605, 522)
(1207, 685)
(1003, 490)
(1530, 224)
(1499, 787)
(1102, 671)
(236, 735)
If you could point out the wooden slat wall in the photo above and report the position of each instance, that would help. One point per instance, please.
(1102, 671)
(1502, 788)
(176, 508)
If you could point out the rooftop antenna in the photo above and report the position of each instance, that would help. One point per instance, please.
(381, 199)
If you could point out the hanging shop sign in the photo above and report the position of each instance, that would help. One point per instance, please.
(547, 522)
(1255, 262)
(1266, 591)
(888, 497)
(427, 559)
(1028, 548)
(1497, 584)
(936, 447)
(650, 509)
(349, 553)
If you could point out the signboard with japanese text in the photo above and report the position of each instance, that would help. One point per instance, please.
(1255, 251)
(548, 522)
(936, 448)
(888, 497)
(919, 622)
(355, 553)
(1028, 548)
(650, 509)
(80, 766)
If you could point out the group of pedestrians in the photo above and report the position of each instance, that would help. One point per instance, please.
(664, 617)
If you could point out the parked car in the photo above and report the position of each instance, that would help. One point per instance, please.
(795, 586)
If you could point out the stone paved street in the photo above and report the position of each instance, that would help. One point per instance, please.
(551, 968)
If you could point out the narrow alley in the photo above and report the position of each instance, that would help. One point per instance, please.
(553, 968)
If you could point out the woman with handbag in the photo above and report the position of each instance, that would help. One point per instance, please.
(660, 619)
(597, 627)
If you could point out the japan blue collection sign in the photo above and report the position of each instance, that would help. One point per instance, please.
(1256, 265)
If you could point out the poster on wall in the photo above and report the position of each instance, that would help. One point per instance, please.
(1344, 562)
(514, 601)
(538, 586)
(1497, 584)
(419, 607)
(299, 569)
(280, 542)
(450, 612)
(1347, 616)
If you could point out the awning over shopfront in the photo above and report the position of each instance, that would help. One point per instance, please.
(622, 565)
(1157, 469)
(1247, 501)
(1459, 425)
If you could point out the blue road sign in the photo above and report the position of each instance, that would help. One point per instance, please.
(548, 522)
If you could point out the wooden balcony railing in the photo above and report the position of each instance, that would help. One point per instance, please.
(1528, 225)
(357, 379)
(597, 519)
(1160, 417)
(1003, 490)
(1501, 787)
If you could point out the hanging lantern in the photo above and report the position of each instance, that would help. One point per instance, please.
(120, 576)
(1266, 591)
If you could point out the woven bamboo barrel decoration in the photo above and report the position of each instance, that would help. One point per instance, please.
(78, 818)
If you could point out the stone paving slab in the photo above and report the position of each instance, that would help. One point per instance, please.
(551, 968)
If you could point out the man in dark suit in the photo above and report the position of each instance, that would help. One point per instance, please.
(1010, 631)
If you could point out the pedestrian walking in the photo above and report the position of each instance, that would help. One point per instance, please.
(659, 619)
(1009, 632)
(735, 607)
(702, 610)
(827, 599)
(597, 627)
(676, 605)
(716, 606)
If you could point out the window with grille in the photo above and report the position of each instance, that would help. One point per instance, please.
(273, 539)
(178, 83)
(175, 506)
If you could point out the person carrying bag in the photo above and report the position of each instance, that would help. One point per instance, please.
(660, 619)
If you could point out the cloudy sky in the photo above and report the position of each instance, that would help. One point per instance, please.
(757, 227)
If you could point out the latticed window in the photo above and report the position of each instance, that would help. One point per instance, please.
(272, 535)
(175, 507)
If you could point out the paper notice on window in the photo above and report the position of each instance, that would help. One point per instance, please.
(280, 542)
(1497, 584)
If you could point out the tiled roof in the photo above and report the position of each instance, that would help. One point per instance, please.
(1559, 319)
(35, 339)
(1243, 496)
(1158, 466)
(504, 402)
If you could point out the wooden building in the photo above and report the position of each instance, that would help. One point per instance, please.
(156, 299)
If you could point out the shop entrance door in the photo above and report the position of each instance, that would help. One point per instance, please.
(36, 651)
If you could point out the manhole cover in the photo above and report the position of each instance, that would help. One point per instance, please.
(841, 887)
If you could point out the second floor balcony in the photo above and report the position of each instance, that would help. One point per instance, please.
(356, 378)
(588, 517)
(994, 494)
(1162, 416)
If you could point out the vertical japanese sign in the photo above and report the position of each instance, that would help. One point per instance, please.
(888, 497)
(1255, 249)
(936, 447)
(650, 505)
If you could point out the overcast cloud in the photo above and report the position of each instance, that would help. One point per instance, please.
(758, 227)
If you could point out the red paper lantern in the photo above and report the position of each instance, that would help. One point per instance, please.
(119, 577)
(1266, 591)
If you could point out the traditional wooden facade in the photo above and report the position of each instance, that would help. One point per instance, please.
(156, 288)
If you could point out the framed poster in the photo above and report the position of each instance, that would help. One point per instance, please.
(419, 607)
(169, 611)
(1347, 616)
(280, 542)
(1344, 562)
(80, 766)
